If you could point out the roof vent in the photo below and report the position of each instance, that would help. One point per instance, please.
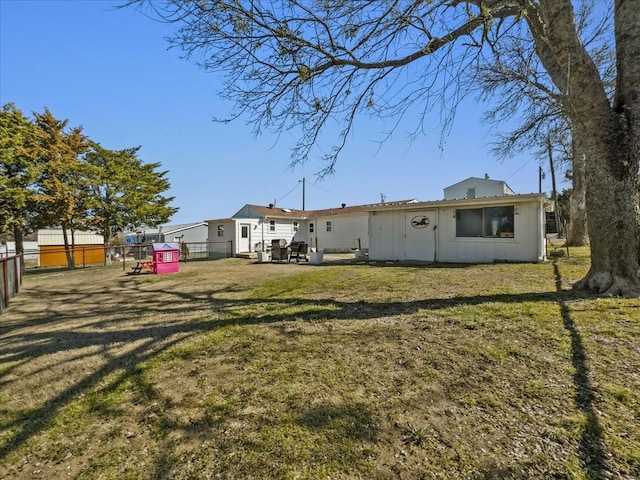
(271, 205)
(344, 205)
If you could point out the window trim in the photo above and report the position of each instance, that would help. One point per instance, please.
(503, 215)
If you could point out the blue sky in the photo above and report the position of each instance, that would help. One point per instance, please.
(110, 71)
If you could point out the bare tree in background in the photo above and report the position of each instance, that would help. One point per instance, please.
(304, 65)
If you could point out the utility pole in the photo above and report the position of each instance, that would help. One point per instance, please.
(303, 193)
(540, 178)
(554, 192)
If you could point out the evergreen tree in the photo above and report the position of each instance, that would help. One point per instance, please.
(123, 193)
(59, 184)
(17, 173)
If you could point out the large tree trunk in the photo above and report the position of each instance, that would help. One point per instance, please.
(613, 152)
(578, 233)
(19, 239)
(612, 142)
(609, 134)
(67, 249)
(613, 219)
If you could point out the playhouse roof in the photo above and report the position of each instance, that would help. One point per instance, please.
(159, 247)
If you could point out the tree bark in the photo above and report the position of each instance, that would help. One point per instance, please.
(67, 249)
(577, 235)
(19, 239)
(609, 135)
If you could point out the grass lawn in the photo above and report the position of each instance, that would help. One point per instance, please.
(236, 370)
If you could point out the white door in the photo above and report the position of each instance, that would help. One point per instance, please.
(420, 235)
(244, 242)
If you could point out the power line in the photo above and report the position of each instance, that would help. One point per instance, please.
(523, 165)
(297, 185)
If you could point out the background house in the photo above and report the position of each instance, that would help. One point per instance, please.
(254, 227)
(474, 187)
(88, 248)
(480, 220)
(187, 232)
(31, 251)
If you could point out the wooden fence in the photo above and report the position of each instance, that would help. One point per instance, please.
(10, 278)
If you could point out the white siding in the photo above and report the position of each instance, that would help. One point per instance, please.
(53, 237)
(525, 246)
(219, 245)
(192, 234)
(482, 187)
(283, 231)
(8, 249)
(388, 238)
(344, 235)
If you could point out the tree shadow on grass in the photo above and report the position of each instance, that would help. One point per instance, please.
(100, 330)
(592, 449)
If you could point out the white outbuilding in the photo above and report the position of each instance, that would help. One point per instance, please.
(497, 228)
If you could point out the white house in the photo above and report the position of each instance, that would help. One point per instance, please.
(254, 227)
(480, 220)
(500, 226)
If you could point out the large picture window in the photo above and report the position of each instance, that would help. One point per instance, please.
(490, 222)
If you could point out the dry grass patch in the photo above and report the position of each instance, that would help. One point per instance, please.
(237, 370)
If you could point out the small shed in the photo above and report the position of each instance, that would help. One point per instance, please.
(166, 258)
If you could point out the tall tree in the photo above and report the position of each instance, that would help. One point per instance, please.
(17, 172)
(59, 185)
(300, 64)
(525, 94)
(123, 192)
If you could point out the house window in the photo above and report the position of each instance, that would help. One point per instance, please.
(490, 222)
(244, 231)
(272, 225)
(295, 227)
(221, 230)
(311, 228)
(329, 226)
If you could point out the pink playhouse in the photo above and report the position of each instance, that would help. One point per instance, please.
(166, 258)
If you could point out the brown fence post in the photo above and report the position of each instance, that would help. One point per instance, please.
(5, 276)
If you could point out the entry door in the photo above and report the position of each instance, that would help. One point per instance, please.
(420, 237)
(244, 242)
